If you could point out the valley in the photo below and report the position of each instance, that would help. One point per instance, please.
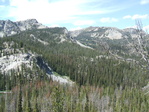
(96, 69)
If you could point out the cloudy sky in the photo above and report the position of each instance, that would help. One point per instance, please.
(75, 14)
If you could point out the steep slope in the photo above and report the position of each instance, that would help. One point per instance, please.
(108, 38)
(13, 59)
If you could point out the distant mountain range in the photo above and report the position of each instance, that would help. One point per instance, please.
(8, 28)
(101, 38)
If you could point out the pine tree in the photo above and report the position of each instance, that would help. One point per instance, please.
(28, 98)
(57, 100)
(35, 94)
(20, 100)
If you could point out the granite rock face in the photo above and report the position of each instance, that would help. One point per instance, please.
(8, 28)
(105, 32)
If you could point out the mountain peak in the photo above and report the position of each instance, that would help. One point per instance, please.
(8, 27)
(30, 21)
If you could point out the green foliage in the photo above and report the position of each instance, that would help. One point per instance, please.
(19, 108)
(102, 83)
(57, 98)
(2, 104)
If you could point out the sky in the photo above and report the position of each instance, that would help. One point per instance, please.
(77, 14)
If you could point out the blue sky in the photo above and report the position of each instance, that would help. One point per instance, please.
(76, 14)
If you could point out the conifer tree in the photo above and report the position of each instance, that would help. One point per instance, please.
(57, 98)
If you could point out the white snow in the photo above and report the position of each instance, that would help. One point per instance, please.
(82, 45)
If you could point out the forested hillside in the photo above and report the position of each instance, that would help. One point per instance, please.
(101, 83)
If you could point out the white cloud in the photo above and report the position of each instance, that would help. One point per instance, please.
(144, 2)
(136, 16)
(54, 25)
(127, 17)
(56, 11)
(135, 26)
(145, 28)
(108, 20)
(2, 6)
(42, 10)
(77, 28)
(83, 22)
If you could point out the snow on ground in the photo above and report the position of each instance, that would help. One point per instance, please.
(82, 45)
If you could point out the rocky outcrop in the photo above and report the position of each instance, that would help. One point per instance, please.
(105, 32)
(8, 28)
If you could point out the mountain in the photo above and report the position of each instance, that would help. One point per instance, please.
(15, 59)
(8, 28)
(91, 37)
(118, 41)
(99, 38)
(96, 69)
(105, 32)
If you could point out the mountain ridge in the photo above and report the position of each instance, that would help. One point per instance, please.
(8, 27)
(106, 32)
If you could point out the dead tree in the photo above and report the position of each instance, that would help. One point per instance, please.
(140, 45)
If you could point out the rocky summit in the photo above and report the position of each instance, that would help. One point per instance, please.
(8, 28)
